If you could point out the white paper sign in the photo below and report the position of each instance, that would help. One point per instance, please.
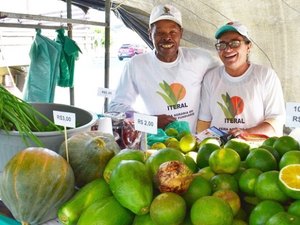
(292, 114)
(145, 123)
(106, 92)
(65, 119)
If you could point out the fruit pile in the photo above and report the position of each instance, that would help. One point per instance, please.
(187, 183)
(201, 183)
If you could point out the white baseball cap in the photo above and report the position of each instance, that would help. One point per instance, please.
(232, 26)
(165, 12)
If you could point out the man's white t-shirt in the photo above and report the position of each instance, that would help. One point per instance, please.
(244, 101)
(165, 88)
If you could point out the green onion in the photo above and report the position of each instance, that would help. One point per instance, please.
(18, 115)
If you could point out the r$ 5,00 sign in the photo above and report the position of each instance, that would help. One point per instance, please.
(292, 114)
(65, 119)
(145, 123)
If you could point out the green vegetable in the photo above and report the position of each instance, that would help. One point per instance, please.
(18, 115)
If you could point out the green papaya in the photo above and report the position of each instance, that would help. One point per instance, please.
(122, 155)
(106, 211)
(132, 186)
(69, 212)
(143, 220)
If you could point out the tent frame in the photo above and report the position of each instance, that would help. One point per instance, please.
(69, 22)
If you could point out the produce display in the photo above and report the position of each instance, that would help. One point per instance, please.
(188, 182)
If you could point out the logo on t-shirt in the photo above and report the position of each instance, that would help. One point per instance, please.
(231, 107)
(172, 94)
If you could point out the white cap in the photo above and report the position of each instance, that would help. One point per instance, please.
(165, 12)
(232, 26)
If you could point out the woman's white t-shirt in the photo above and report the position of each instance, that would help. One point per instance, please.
(244, 101)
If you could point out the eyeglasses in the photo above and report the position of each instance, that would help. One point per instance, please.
(232, 44)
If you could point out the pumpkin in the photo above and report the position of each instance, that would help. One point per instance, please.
(35, 183)
(88, 153)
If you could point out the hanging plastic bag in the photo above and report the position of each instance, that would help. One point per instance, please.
(70, 52)
(43, 70)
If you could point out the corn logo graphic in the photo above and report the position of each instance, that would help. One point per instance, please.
(232, 106)
(172, 93)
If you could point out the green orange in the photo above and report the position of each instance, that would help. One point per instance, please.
(206, 173)
(240, 146)
(204, 152)
(290, 157)
(231, 197)
(248, 179)
(211, 140)
(188, 143)
(211, 210)
(263, 211)
(267, 187)
(289, 180)
(261, 159)
(190, 161)
(167, 209)
(284, 144)
(224, 160)
(158, 145)
(199, 187)
(171, 132)
(272, 150)
(283, 218)
(224, 182)
(294, 208)
(270, 141)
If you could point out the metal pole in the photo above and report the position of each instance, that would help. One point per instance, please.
(69, 16)
(107, 52)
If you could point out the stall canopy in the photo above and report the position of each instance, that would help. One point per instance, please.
(273, 26)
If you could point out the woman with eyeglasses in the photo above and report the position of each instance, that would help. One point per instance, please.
(240, 97)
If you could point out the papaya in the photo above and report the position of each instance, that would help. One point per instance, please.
(122, 155)
(88, 153)
(106, 211)
(143, 220)
(69, 212)
(35, 183)
(131, 186)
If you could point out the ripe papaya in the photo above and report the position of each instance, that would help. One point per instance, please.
(106, 211)
(132, 186)
(69, 212)
(122, 155)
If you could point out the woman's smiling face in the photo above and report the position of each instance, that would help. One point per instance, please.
(235, 59)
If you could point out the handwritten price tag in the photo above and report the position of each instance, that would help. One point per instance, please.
(292, 114)
(65, 119)
(106, 92)
(145, 123)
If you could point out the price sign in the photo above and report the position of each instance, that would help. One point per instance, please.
(65, 119)
(145, 123)
(106, 92)
(292, 114)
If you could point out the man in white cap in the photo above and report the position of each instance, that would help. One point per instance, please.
(168, 79)
(240, 97)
